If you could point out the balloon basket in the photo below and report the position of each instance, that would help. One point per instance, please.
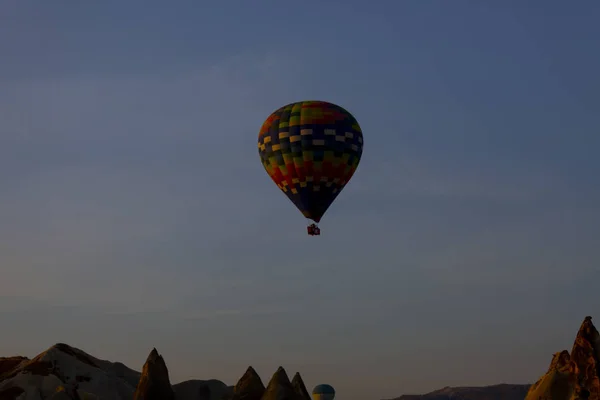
(313, 230)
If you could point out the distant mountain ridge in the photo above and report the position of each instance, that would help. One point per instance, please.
(494, 392)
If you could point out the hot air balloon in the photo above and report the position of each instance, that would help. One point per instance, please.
(323, 392)
(311, 149)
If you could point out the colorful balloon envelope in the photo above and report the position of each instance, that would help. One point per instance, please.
(323, 392)
(311, 149)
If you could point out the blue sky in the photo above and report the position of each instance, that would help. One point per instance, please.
(135, 212)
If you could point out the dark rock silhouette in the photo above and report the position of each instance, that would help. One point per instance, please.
(8, 364)
(154, 383)
(196, 389)
(249, 387)
(300, 387)
(204, 392)
(280, 387)
(11, 393)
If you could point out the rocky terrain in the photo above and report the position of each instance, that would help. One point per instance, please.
(573, 376)
(65, 373)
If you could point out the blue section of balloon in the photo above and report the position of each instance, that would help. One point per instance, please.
(323, 389)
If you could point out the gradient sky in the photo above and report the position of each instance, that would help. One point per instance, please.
(134, 210)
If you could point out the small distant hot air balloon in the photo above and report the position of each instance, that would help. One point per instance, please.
(323, 392)
(311, 149)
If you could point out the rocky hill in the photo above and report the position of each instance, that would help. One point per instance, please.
(65, 373)
(576, 375)
(494, 392)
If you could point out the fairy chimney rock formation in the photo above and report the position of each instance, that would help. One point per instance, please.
(300, 387)
(249, 387)
(585, 354)
(574, 376)
(280, 387)
(154, 383)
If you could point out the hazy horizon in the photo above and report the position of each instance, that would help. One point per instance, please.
(135, 213)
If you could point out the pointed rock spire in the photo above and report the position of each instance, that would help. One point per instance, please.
(153, 356)
(280, 387)
(154, 383)
(300, 387)
(249, 387)
(573, 376)
(585, 354)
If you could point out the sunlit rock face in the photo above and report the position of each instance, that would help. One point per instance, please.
(576, 375)
(154, 383)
